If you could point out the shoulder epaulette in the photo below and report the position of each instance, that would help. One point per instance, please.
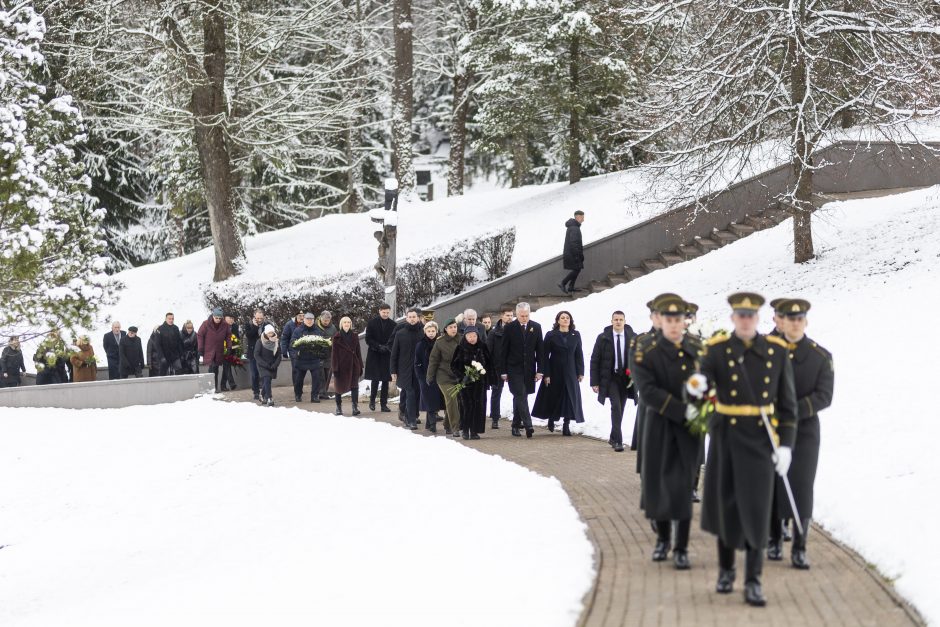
(773, 339)
(717, 339)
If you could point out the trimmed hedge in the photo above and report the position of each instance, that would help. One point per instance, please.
(420, 281)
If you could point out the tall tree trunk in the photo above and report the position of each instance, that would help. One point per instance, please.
(574, 122)
(209, 114)
(354, 202)
(802, 148)
(520, 159)
(403, 96)
(458, 134)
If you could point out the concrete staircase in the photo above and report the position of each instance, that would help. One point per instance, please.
(697, 247)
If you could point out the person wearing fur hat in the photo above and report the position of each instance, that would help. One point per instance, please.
(267, 357)
(346, 365)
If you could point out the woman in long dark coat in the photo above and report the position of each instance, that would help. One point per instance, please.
(189, 362)
(559, 396)
(346, 363)
(431, 401)
(472, 397)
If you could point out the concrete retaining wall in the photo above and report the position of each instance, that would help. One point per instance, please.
(109, 394)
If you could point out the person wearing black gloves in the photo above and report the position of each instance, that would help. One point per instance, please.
(379, 334)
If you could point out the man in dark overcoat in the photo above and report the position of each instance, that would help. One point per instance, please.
(753, 380)
(112, 348)
(670, 451)
(609, 378)
(171, 346)
(379, 332)
(573, 252)
(403, 365)
(814, 380)
(522, 365)
(494, 342)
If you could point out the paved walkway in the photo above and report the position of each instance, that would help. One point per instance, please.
(630, 589)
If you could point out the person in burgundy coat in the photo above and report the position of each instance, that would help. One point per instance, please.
(346, 363)
(211, 339)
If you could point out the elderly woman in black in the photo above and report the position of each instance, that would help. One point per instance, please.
(474, 371)
(559, 396)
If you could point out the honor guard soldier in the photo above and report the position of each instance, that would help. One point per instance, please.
(778, 319)
(691, 315)
(753, 380)
(670, 451)
(814, 378)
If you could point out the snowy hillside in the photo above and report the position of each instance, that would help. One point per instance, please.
(212, 513)
(878, 271)
(344, 243)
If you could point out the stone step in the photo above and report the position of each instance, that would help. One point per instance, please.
(724, 237)
(759, 222)
(670, 259)
(652, 265)
(741, 230)
(633, 273)
(688, 252)
(617, 279)
(706, 244)
(600, 286)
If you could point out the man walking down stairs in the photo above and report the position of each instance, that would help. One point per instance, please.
(573, 252)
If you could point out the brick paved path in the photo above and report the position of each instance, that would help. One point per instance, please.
(630, 589)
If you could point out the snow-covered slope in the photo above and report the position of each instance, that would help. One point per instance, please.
(875, 287)
(212, 513)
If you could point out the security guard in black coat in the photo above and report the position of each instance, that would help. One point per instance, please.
(814, 380)
(670, 451)
(753, 379)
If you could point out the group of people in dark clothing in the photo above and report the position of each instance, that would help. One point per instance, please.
(761, 395)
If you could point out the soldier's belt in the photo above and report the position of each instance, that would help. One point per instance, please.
(743, 410)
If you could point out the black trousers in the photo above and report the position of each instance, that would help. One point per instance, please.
(409, 400)
(617, 395)
(374, 387)
(496, 395)
(214, 369)
(683, 527)
(114, 372)
(520, 411)
(314, 382)
(570, 278)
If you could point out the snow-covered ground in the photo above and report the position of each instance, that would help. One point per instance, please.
(876, 278)
(213, 513)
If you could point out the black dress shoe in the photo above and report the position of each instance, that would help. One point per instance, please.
(695, 497)
(564, 290)
(474, 436)
(661, 551)
(372, 406)
(774, 552)
(610, 441)
(618, 447)
(495, 424)
(413, 426)
(551, 426)
(465, 435)
(798, 559)
(433, 428)
(338, 412)
(725, 581)
(529, 431)
(314, 400)
(386, 409)
(753, 595)
(515, 432)
(680, 557)
(447, 431)
(296, 399)
(355, 411)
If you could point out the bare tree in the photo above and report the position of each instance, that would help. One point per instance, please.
(403, 96)
(747, 82)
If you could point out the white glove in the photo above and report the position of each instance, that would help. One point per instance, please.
(697, 385)
(691, 411)
(782, 459)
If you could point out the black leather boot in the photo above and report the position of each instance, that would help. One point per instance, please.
(798, 552)
(515, 432)
(774, 551)
(725, 583)
(565, 430)
(465, 434)
(529, 431)
(355, 408)
(551, 425)
(754, 565)
(680, 557)
(663, 533)
(339, 406)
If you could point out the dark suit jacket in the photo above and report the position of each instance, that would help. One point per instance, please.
(522, 356)
(602, 361)
(111, 348)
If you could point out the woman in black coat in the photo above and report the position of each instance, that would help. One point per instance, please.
(559, 396)
(267, 357)
(189, 362)
(11, 364)
(472, 397)
(431, 401)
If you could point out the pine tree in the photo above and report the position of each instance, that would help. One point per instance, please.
(51, 258)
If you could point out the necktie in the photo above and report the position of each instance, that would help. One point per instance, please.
(619, 355)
